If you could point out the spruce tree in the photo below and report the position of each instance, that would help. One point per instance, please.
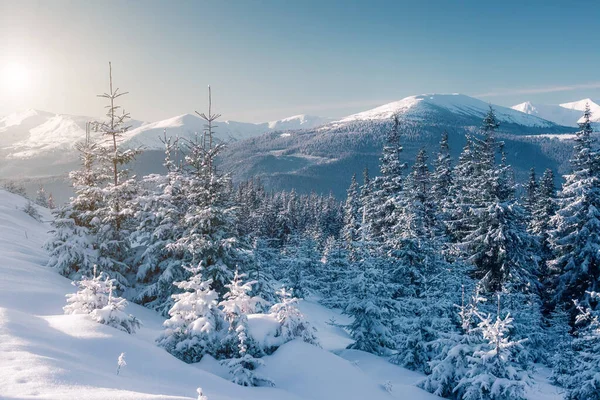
(380, 209)
(442, 179)
(196, 324)
(113, 219)
(352, 216)
(575, 238)
(584, 379)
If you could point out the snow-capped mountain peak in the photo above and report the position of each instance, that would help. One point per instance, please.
(301, 121)
(419, 107)
(580, 105)
(566, 114)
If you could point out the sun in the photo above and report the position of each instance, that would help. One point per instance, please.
(15, 77)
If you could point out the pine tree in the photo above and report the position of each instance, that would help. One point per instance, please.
(352, 216)
(208, 238)
(584, 380)
(494, 236)
(71, 252)
(575, 238)
(159, 212)
(237, 347)
(493, 373)
(41, 198)
(370, 306)
(380, 208)
(51, 203)
(531, 194)
(540, 226)
(562, 355)
(334, 273)
(442, 179)
(112, 218)
(454, 350)
(196, 323)
(236, 305)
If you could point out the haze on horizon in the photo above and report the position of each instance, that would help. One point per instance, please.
(271, 59)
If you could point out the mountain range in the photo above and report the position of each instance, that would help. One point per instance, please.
(302, 152)
(567, 114)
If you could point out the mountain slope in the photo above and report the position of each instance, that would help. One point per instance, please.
(48, 355)
(323, 159)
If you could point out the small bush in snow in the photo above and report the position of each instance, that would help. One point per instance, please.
(32, 211)
(121, 362)
(292, 323)
(94, 297)
(201, 395)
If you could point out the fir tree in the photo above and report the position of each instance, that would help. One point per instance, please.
(576, 235)
(41, 198)
(442, 178)
(112, 218)
(584, 380)
(370, 306)
(352, 216)
(196, 323)
(492, 372)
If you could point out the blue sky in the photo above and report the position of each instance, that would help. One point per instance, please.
(271, 59)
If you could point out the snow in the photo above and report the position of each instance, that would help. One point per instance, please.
(566, 114)
(418, 107)
(301, 121)
(34, 133)
(48, 355)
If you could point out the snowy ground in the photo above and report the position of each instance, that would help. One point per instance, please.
(45, 354)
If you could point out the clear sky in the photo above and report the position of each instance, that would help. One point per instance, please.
(271, 59)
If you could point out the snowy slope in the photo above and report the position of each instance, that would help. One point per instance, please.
(418, 107)
(566, 114)
(48, 355)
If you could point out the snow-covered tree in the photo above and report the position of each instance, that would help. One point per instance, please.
(51, 203)
(442, 178)
(208, 236)
(292, 323)
(576, 235)
(95, 298)
(383, 198)
(530, 200)
(71, 251)
(113, 314)
(493, 373)
(236, 305)
(584, 379)
(495, 239)
(560, 346)
(41, 198)
(454, 350)
(334, 273)
(352, 215)
(159, 211)
(196, 323)
(370, 306)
